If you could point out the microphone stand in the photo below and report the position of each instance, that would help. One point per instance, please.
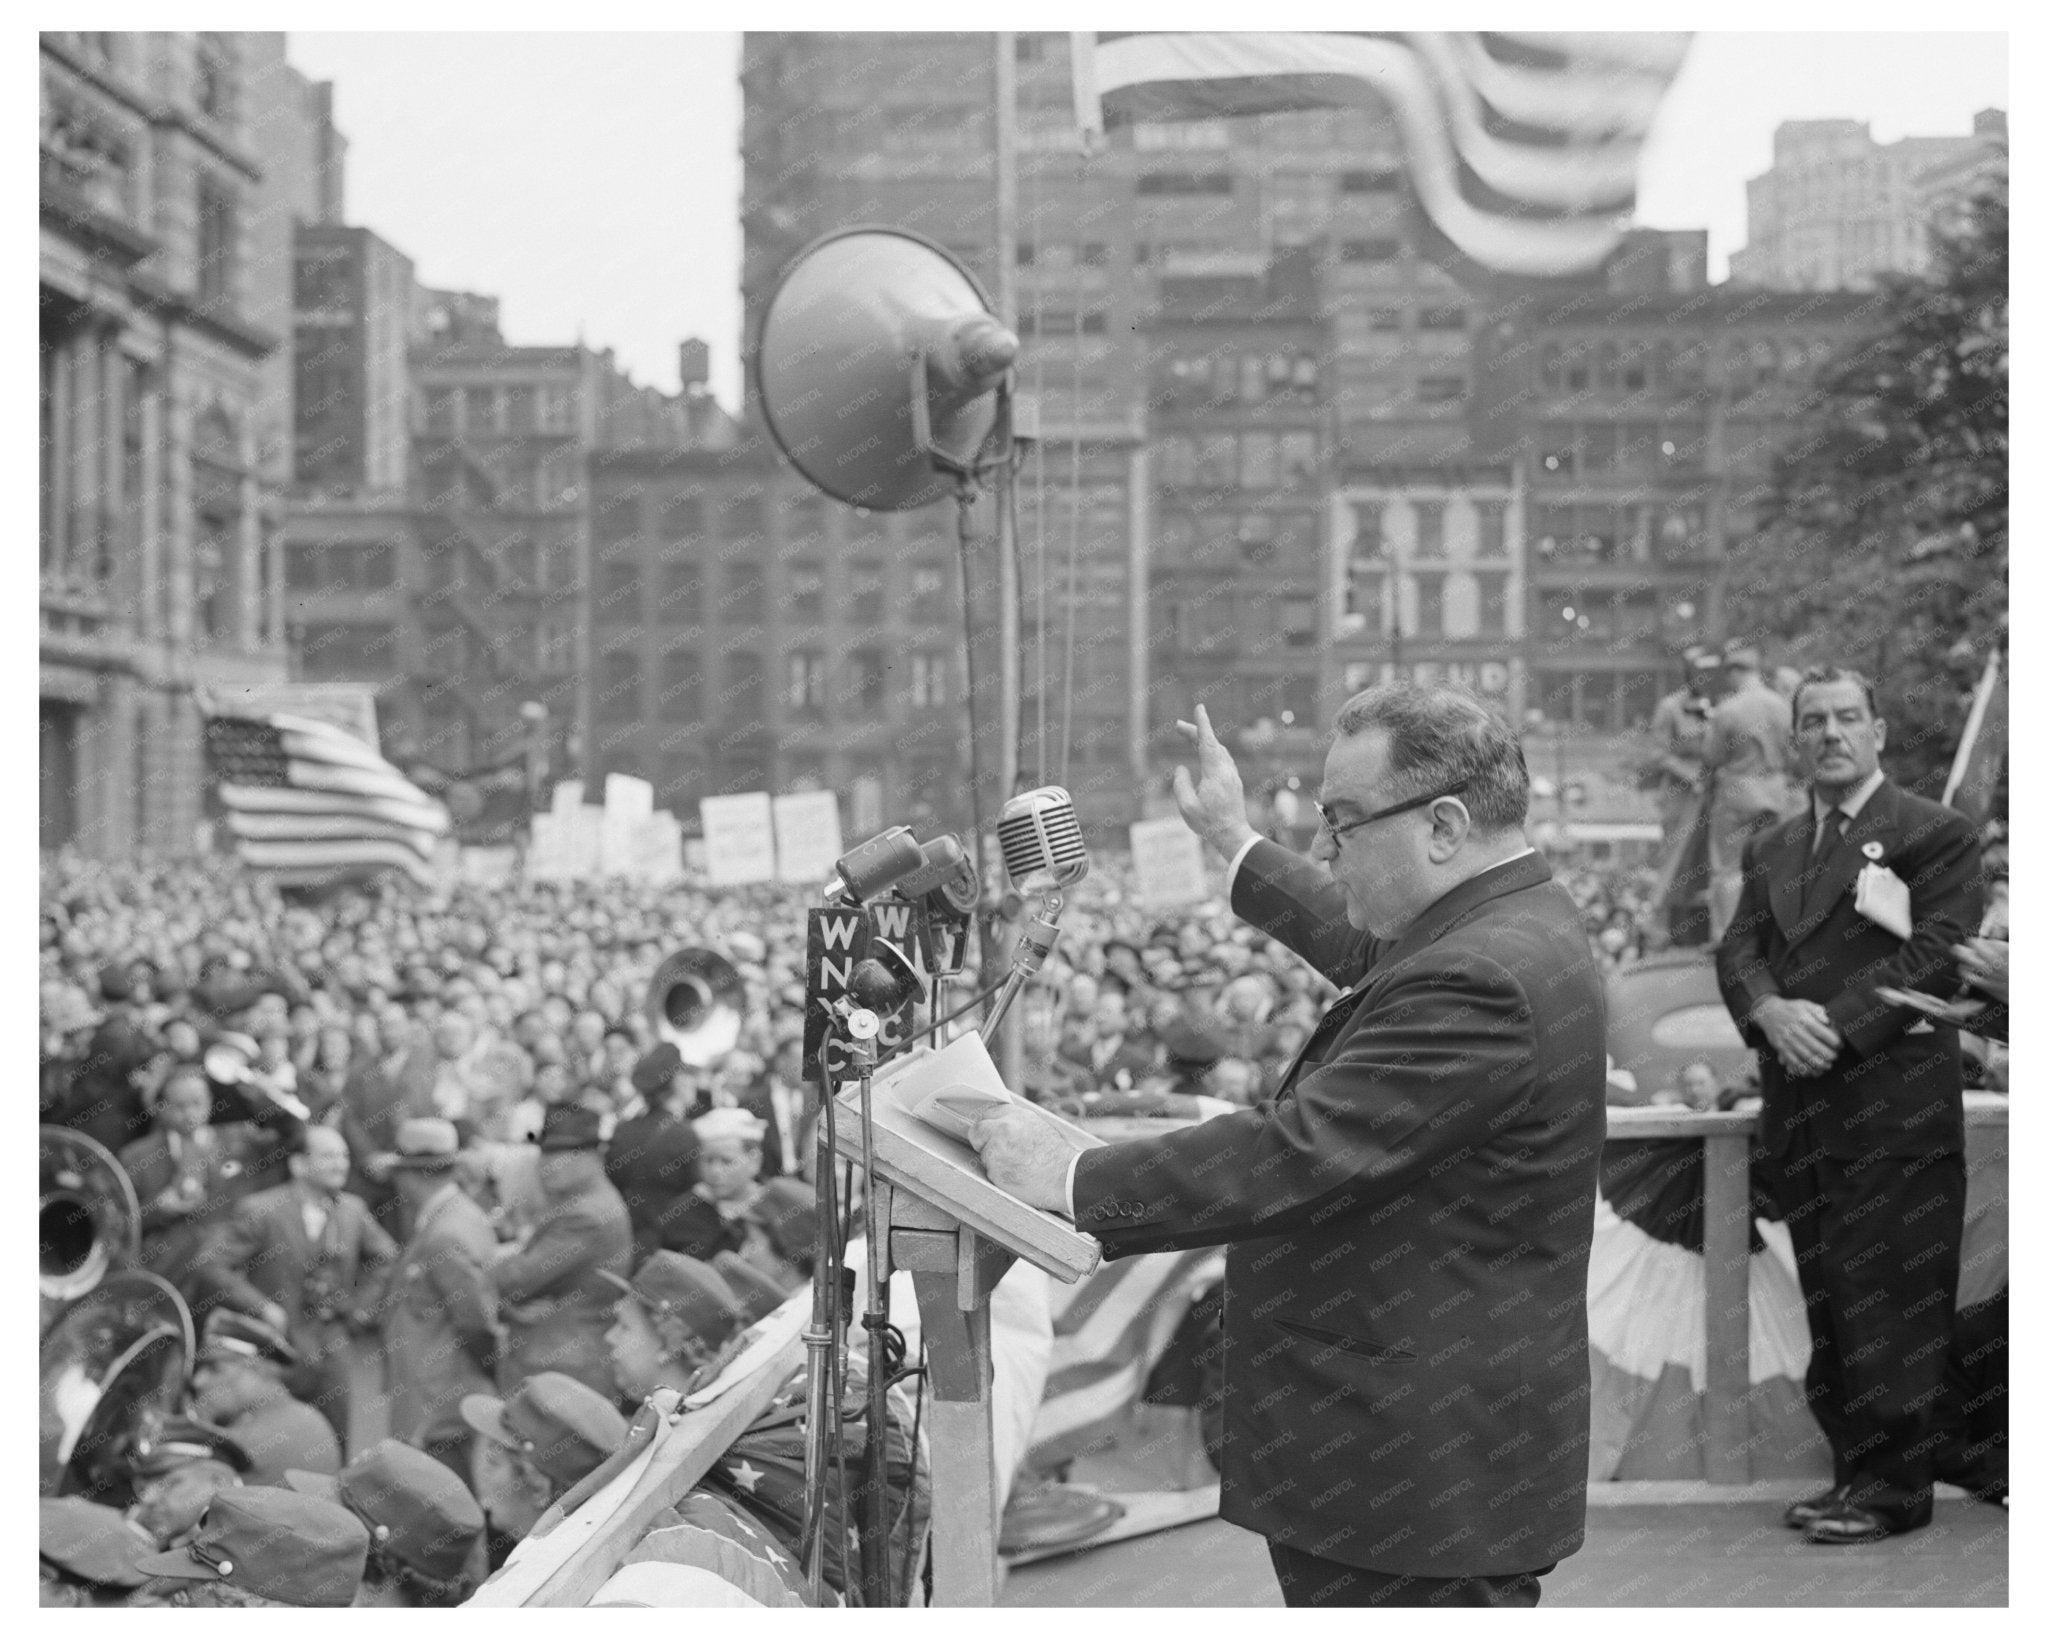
(1034, 943)
(822, 1339)
(864, 1028)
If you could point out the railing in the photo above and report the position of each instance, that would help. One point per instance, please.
(1725, 1137)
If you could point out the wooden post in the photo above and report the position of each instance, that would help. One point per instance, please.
(962, 1365)
(1726, 1217)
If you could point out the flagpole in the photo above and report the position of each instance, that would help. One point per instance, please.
(1006, 310)
(1009, 1044)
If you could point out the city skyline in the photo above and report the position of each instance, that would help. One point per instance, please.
(540, 193)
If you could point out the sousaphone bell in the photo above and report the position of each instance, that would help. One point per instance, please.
(88, 1222)
(695, 1002)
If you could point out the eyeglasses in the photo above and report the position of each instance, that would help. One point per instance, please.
(1338, 832)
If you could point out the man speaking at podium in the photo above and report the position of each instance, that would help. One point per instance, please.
(1406, 1377)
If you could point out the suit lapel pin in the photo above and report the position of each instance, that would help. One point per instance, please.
(1873, 850)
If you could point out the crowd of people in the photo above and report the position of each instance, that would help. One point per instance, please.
(444, 1128)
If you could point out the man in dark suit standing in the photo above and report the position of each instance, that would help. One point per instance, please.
(1406, 1400)
(552, 1294)
(183, 1173)
(1863, 1101)
(308, 1260)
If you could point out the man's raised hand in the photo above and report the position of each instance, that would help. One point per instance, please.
(1212, 801)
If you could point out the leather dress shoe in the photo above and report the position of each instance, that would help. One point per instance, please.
(1804, 1512)
(1847, 1524)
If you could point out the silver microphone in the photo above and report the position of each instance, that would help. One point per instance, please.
(1041, 840)
(1042, 848)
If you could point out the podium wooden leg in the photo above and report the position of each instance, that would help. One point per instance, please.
(962, 1366)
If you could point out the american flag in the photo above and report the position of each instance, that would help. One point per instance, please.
(1112, 1331)
(1521, 148)
(305, 799)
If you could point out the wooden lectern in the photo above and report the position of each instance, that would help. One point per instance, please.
(957, 1234)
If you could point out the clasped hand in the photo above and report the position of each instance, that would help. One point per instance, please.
(1800, 1033)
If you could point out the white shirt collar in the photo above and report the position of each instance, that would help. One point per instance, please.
(1851, 805)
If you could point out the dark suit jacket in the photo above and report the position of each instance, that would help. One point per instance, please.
(263, 1255)
(1409, 1220)
(555, 1304)
(652, 1162)
(172, 1242)
(1892, 1087)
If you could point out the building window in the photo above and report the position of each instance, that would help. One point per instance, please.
(682, 593)
(1298, 622)
(355, 652)
(1440, 389)
(1442, 318)
(618, 685)
(1365, 605)
(1177, 459)
(554, 647)
(1372, 181)
(1493, 604)
(519, 415)
(1261, 457)
(439, 413)
(1384, 319)
(743, 686)
(1429, 529)
(1599, 444)
(214, 77)
(682, 518)
(867, 681)
(557, 407)
(218, 230)
(742, 517)
(806, 694)
(746, 595)
(807, 591)
(618, 592)
(927, 679)
(1094, 253)
(864, 591)
(927, 592)
(1297, 457)
(1186, 182)
(1216, 459)
(1370, 250)
(1368, 532)
(618, 517)
(1429, 605)
(1493, 528)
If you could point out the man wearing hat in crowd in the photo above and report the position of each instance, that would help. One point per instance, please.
(440, 1315)
(1748, 753)
(104, 1102)
(89, 1553)
(652, 1157)
(730, 1211)
(238, 1385)
(426, 1530)
(673, 1323)
(535, 1444)
(308, 1260)
(1678, 736)
(263, 1545)
(175, 1474)
(552, 1296)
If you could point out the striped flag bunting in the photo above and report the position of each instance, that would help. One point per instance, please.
(1113, 1330)
(1521, 148)
(304, 798)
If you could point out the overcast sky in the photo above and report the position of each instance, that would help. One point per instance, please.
(592, 181)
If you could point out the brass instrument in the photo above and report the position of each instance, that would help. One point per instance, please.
(112, 1369)
(88, 1222)
(695, 1001)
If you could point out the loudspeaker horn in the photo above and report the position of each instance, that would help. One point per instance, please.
(881, 367)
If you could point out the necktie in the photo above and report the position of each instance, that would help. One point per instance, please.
(1823, 856)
